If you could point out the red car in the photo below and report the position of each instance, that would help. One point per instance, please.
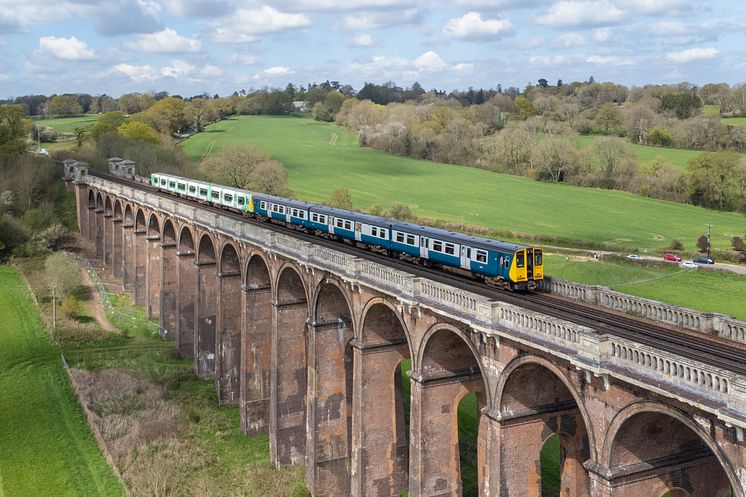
(671, 257)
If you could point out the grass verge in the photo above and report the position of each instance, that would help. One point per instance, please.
(47, 446)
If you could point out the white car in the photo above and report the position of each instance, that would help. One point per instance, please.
(688, 265)
(634, 256)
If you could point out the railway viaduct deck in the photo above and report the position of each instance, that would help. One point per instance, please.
(309, 341)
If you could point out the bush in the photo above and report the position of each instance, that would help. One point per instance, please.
(676, 245)
(299, 490)
(71, 307)
(660, 136)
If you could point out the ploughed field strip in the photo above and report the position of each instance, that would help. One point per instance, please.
(711, 350)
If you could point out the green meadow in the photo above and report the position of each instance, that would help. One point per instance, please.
(66, 125)
(701, 289)
(47, 446)
(321, 157)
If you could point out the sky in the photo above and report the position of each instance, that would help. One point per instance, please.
(189, 47)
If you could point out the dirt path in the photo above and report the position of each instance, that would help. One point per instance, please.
(94, 305)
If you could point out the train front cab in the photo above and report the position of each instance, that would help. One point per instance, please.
(527, 268)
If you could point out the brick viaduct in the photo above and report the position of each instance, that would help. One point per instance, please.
(310, 341)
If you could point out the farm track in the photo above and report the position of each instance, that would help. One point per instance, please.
(711, 350)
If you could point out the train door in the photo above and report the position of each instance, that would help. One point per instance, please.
(423, 247)
(530, 264)
(358, 231)
(465, 257)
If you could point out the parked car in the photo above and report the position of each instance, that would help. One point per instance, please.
(671, 257)
(704, 260)
(634, 257)
(688, 265)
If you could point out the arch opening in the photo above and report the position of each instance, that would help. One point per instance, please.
(154, 227)
(449, 359)
(140, 221)
(655, 449)
(108, 209)
(117, 210)
(186, 241)
(542, 422)
(169, 232)
(229, 261)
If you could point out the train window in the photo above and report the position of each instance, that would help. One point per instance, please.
(203, 192)
(163, 181)
(228, 197)
(215, 194)
(172, 184)
(537, 257)
(507, 263)
(348, 225)
(263, 205)
(481, 257)
(450, 249)
(339, 223)
(520, 260)
(410, 240)
(192, 189)
(182, 186)
(437, 246)
(399, 237)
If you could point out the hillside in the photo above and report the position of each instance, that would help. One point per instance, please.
(321, 157)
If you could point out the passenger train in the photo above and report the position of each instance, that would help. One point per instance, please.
(500, 264)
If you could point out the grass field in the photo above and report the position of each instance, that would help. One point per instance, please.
(47, 447)
(66, 125)
(318, 163)
(711, 291)
(735, 121)
(676, 156)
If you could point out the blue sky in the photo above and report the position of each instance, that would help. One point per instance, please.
(192, 46)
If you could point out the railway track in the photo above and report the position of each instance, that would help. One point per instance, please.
(708, 349)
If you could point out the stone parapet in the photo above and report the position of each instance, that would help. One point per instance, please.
(705, 322)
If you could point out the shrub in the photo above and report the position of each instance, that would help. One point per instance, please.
(676, 245)
(660, 136)
(71, 307)
(299, 490)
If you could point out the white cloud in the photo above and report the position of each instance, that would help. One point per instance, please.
(471, 26)
(66, 48)
(649, 7)
(278, 71)
(362, 40)
(610, 60)
(581, 13)
(692, 54)
(602, 35)
(177, 69)
(372, 20)
(4, 77)
(568, 40)
(500, 4)
(429, 62)
(247, 59)
(116, 17)
(138, 74)
(198, 8)
(547, 60)
(336, 5)
(166, 41)
(243, 25)
(463, 67)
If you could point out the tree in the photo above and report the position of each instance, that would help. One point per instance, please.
(107, 123)
(80, 134)
(613, 161)
(341, 199)
(13, 129)
(61, 272)
(271, 178)
(659, 136)
(609, 117)
(233, 166)
(138, 131)
(716, 180)
(63, 105)
(737, 243)
(682, 105)
(703, 243)
(552, 157)
(524, 107)
(638, 119)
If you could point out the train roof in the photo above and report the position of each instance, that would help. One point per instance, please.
(453, 236)
(354, 216)
(302, 204)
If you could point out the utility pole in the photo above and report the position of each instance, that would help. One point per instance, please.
(708, 241)
(54, 310)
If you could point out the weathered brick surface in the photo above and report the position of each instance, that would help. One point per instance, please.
(228, 359)
(140, 281)
(169, 289)
(154, 277)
